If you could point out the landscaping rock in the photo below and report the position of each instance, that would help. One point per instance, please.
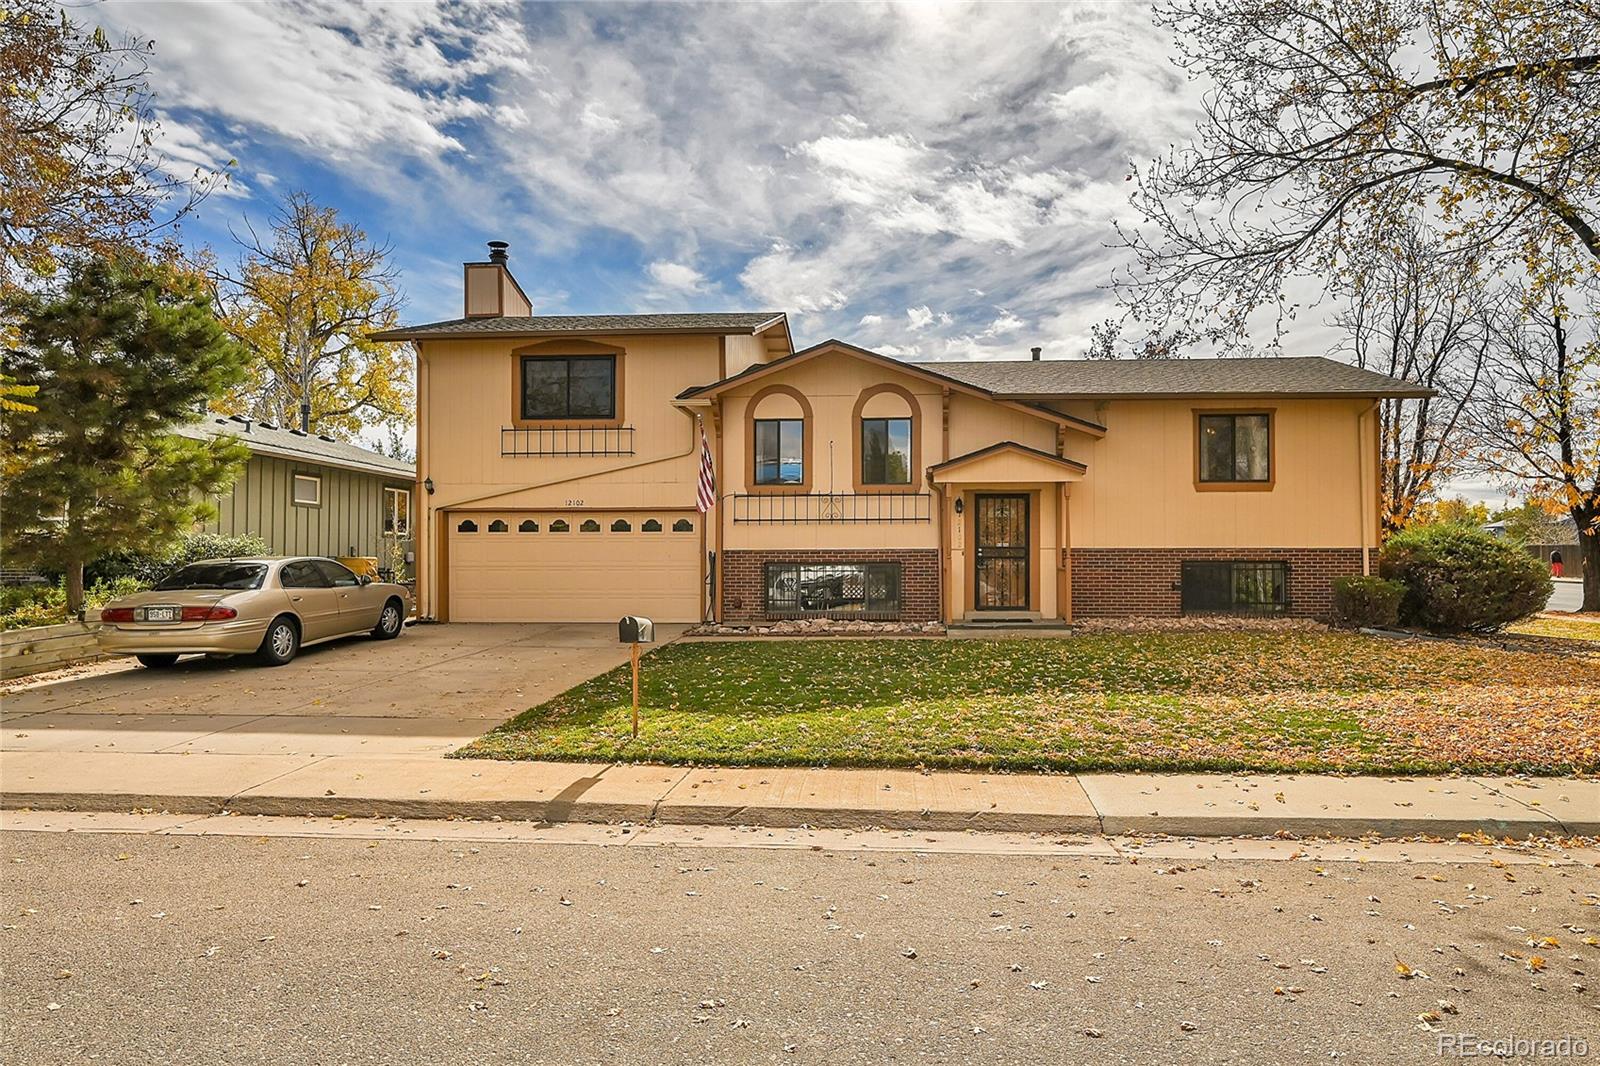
(819, 627)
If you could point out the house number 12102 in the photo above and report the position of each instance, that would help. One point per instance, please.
(574, 503)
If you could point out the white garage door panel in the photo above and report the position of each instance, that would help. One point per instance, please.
(574, 576)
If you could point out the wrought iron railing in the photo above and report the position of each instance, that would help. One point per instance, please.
(566, 440)
(816, 508)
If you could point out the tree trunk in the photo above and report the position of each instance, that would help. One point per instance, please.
(1589, 557)
(75, 589)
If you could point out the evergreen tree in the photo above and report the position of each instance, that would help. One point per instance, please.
(125, 352)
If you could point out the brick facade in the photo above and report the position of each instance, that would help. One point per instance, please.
(744, 579)
(1142, 582)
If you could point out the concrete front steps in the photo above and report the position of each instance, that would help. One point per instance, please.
(428, 787)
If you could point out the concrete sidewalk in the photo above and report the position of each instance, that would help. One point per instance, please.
(430, 787)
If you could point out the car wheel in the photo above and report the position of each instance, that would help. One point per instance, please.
(280, 643)
(390, 622)
(156, 662)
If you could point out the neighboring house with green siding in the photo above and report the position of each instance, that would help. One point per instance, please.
(306, 494)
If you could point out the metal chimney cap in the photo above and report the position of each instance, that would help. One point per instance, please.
(497, 251)
(1036, 352)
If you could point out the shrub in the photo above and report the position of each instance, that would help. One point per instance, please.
(148, 569)
(1462, 580)
(46, 605)
(1367, 601)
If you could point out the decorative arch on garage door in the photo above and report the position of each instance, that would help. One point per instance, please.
(607, 567)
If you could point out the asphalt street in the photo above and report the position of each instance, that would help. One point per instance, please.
(286, 950)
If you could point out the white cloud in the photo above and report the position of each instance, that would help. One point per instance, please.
(967, 157)
(676, 275)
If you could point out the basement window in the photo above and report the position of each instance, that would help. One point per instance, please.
(1235, 587)
(835, 590)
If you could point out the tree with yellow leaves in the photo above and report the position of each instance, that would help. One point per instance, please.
(304, 299)
(1539, 420)
(80, 167)
(1330, 125)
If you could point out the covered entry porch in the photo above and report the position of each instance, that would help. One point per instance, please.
(1005, 527)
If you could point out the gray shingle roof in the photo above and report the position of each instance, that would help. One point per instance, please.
(1132, 378)
(289, 444)
(545, 325)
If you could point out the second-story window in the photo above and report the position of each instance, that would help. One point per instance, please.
(569, 387)
(1235, 449)
(886, 451)
(780, 451)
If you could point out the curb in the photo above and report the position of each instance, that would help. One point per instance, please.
(666, 813)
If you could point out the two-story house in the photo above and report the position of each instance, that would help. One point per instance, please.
(558, 459)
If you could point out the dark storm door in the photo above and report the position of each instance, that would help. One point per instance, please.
(1001, 558)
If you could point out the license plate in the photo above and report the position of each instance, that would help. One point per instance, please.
(162, 614)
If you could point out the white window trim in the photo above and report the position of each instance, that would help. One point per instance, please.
(392, 512)
(294, 490)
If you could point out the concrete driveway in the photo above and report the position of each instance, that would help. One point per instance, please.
(427, 693)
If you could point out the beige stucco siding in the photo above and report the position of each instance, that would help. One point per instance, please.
(467, 396)
(1140, 489)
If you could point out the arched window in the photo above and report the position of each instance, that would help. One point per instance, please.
(683, 525)
(589, 526)
(499, 526)
(651, 526)
(528, 526)
(560, 526)
(778, 424)
(887, 450)
(467, 526)
(621, 526)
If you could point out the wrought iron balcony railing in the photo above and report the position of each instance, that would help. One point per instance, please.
(814, 508)
(566, 440)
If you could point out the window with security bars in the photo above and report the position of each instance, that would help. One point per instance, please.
(836, 590)
(1235, 587)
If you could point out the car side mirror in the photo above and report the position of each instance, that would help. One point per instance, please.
(365, 579)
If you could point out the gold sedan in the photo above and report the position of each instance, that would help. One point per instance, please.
(269, 607)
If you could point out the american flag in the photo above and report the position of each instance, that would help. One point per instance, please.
(706, 497)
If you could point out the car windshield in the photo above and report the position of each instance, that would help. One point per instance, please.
(214, 576)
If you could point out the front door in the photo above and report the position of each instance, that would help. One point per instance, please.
(1001, 558)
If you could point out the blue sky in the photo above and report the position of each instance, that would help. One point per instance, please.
(932, 180)
(935, 181)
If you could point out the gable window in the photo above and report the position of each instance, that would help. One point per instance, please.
(780, 451)
(1234, 449)
(569, 387)
(886, 451)
(397, 512)
(307, 490)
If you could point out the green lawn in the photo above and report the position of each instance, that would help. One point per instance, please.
(1301, 700)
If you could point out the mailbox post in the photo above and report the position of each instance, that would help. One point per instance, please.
(634, 631)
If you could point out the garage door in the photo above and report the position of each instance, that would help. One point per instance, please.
(574, 566)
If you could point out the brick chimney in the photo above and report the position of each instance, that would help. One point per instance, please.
(489, 290)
